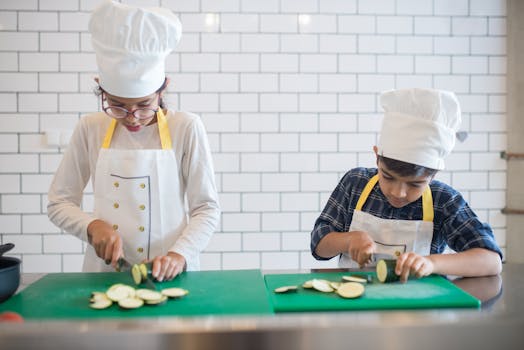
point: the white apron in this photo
(138, 192)
(392, 237)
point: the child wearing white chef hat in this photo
(398, 210)
(155, 197)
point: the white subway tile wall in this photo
(288, 91)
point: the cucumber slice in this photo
(120, 291)
(322, 286)
(354, 279)
(285, 289)
(174, 292)
(130, 303)
(386, 270)
(350, 290)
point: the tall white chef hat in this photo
(419, 126)
(131, 45)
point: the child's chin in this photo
(397, 204)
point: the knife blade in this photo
(122, 265)
(150, 284)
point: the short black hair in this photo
(406, 169)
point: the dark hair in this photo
(99, 91)
(406, 169)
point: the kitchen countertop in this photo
(499, 323)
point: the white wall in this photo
(288, 91)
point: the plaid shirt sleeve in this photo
(338, 212)
(456, 225)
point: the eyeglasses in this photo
(121, 112)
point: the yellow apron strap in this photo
(163, 129)
(109, 134)
(427, 199)
(365, 193)
(427, 205)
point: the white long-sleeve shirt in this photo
(195, 166)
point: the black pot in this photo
(9, 276)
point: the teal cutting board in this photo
(66, 295)
(425, 293)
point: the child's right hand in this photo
(106, 241)
(361, 247)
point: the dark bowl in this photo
(9, 276)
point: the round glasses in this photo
(139, 113)
(120, 112)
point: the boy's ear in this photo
(375, 149)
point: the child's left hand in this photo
(413, 264)
(166, 267)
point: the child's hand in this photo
(166, 267)
(413, 264)
(106, 241)
(361, 247)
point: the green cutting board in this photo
(425, 293)
(66, 295)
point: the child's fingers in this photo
(417, 268)
(404, 264)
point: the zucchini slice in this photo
(308, 284)
(174, 292)
(355, 279)
(144, 271)
(386, 270)
(120, 291)
(350, 290)
(156, 302)
(285, 289)
(322, 286)
(130, 303)
(335, 285)
(148, 295)
(99, 301)
(136, 274)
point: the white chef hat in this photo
(419, 126)
(131, 45)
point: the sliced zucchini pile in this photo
(351, 287)
(128, 297)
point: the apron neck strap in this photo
(163, 130)
(427, 199)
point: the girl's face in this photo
(401, 190)
(140, 106)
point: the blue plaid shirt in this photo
(454, 224)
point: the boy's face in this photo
(401, 190)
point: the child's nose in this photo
(399, 190)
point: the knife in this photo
(122, 265)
